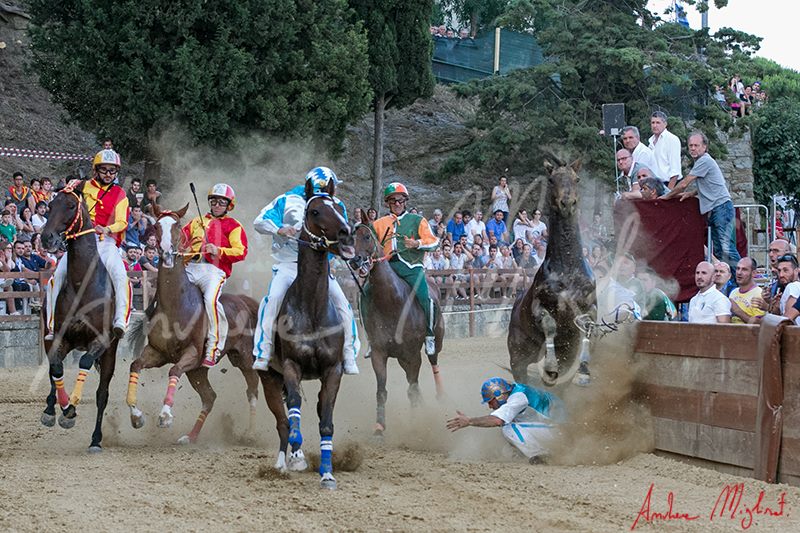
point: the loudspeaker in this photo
(613, 118)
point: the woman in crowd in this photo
(27, 231)
(501, 195)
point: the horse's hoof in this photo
(48, 420)
(66, 423)
(327, 482)
(137, 422)
(183, 441)
(95, 449)
(582, 380)
(165, 420)
(297, 461)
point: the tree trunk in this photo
(377, 152)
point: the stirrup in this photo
(261, 363)
(49, 336)
(210, 361)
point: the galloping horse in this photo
(310, 337)
(562, 287)
(84, 311)
(389, 297)
(178, 333)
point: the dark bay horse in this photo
(84, 312)
(561, 287)
(395, 324)
(309, 335)
(177, 333)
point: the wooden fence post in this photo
(471, 304)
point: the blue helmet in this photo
(319, 178)
(494, 388)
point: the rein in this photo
(177, 219)
(77, 220)
(317, 242)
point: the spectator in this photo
(6, 264)
(438, 228)
(372, 215)
(152, 241)
(152, 196)
(627, 171)
(480, 241)
(455, 228)
(497, 227)
(501, 195)
(31, 261)
(708, 306)
(521, 226)
(504, 259)
(38, 250)
(137, 226)
(477, 258)
(19, 193)
(743, 306)
(642, 156)
(650, 188)
(777, 248)
(518, 249)
(599, 257)
(538, 231)
(436, 260)
(108, 144)
(722, 278)
(491, 255)
(475, 227)
(666, 149)
(37, 194)
(657, 305)
(457, 261)
(149, 260)
(541, 253)
(39, 219)
(747, 101)
(47, 190)
(626, 276)
(26, 231)
(20, 284)
(599, 231)
(131, 259)
(463, 34)
(715, 200)
(527, 259)
(787, 279)
(135, 194)
(636, 188)
(8, 229)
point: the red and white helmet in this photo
(223, 190)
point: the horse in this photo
(84, 312)
(389, 296)
(562, 287)
(177, 333)
(309, 335)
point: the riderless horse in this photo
(310, 337)
(84, 311)
(177, 332)
(562, 287)
(396, 322)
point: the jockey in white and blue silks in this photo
(283, 219)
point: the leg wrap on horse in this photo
(61, 393)
(198, 425)
(326, 455)
(133, 383)
(295, 437)
(415, 277)
(77, 393)
(169, 399)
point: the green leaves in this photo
(776, 148)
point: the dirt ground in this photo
(420, 478)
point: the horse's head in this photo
(168, 233)
(325, 224)
(67, 217)
(562, 186)
(366, 246)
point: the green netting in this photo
(460, 60)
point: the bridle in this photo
(77, 220)
(176, 253)
(315, 242)
(365, 267)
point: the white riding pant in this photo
(531, 439)
(283, 274)
(112, 261)
(210, 279)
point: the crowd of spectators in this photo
(443, 32)
(738, 98)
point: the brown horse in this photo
(177, 333)
(388, 298)
(309, 334)
(562, 287)
(84, 312)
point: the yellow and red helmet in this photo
(394, 188)
(223, 190)
(107, 157)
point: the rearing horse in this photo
(562, 287)
(177, 333)
(395, 324)
(84, 312)
(310, 335)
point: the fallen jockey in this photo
(217, 241)
(405, 238)
(107, 204)
(283, 219)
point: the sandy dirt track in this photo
(421, 478)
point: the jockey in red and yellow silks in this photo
(108, 209)
(218, 241)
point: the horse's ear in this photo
(309, 190)
(548, 166)
(575, 165)
(157, 210)
(330, 188)
(180, 212)
(364, 217)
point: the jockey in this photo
(527, 415)
(407, 237)
(108, 208)
(283, 219)
(217, 242)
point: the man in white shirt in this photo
(666, 149)
(789, 287)
(642, 155)
(708, 306)
(475, 226)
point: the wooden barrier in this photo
(726, 396)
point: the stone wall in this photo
(20, 342)
(488, 322)
(738, 167)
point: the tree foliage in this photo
(776, 148)
(129, 68)
(612, 51)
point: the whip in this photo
(199, 213)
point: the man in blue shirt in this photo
(455, 228)
(497, 227)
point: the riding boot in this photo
(262, 360)
(351, 342)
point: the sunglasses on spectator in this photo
(213, 202)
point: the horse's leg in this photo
(55, 355)
(198, 377)
(291, 378)
(411, 363)
(251, 378)
(525, 345)
(379, 359)
(434, 359)
(327, 400)
(188, 361)
(107, 361)
(272, 382)
(150, 358)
